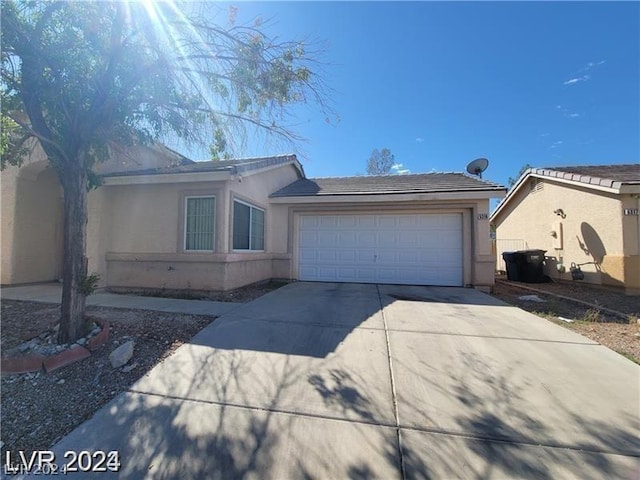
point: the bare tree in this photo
(380, 162)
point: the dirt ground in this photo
(619, 334)
(38, 409)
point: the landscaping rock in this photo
(128, 368)
(531, 298)
(121, 355)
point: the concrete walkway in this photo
(320, 380)
(52, 293)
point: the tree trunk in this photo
(74, 268)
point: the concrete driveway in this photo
(321, 380)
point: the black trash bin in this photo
(511, 261)
(530, 266)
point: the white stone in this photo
(121, 355)
(531, 298)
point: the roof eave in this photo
(559, 177)
(392, 197)
(157, 178)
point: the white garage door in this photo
(420, 249)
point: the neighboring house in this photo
(582, 216)
(222, 225)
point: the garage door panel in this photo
(410, 256)
(366, 255)
(328, 221)
(366, 239)
(348, 239)
(409, 221)
(348, 256)
(327, 256)
(348, 221)
(308, 256)
(309, 221)
(384, 248)
(387, 239)
(387, 221)
(409, 238)
(366, 221)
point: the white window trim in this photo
(184, 227)
(250, 222)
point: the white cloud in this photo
(574, 80)
(590, 65)
(419, 139)
(399, 169)
(543, 135)
(556, 144)
(566, 112)
(583, 78)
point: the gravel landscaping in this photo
(38, 409)
(619, 333)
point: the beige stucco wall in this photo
(595, 232)
(31, 212)
(31, 224)
(256, 189)
(147, 234)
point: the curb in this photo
(100, 339)
(62, 359)
(37, 362)
(32, 363)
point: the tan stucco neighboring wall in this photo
(98, 233)
(8, 181)
(31, 224)
(594, 232)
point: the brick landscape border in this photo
(37, 362)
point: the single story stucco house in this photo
(583, 216)
(179, 224)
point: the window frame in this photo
(233, 219)
(184, 226)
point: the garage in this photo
(403, 249)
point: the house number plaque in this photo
(632, 211)
(483, 216)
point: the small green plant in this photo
(89, 284)
(592, 315)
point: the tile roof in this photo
(612, 177)
(628, 174)
(236, 166)
(384, 184)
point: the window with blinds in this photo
(199, 223)
(248, 227)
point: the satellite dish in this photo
(478, 166)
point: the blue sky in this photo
(442, 83)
